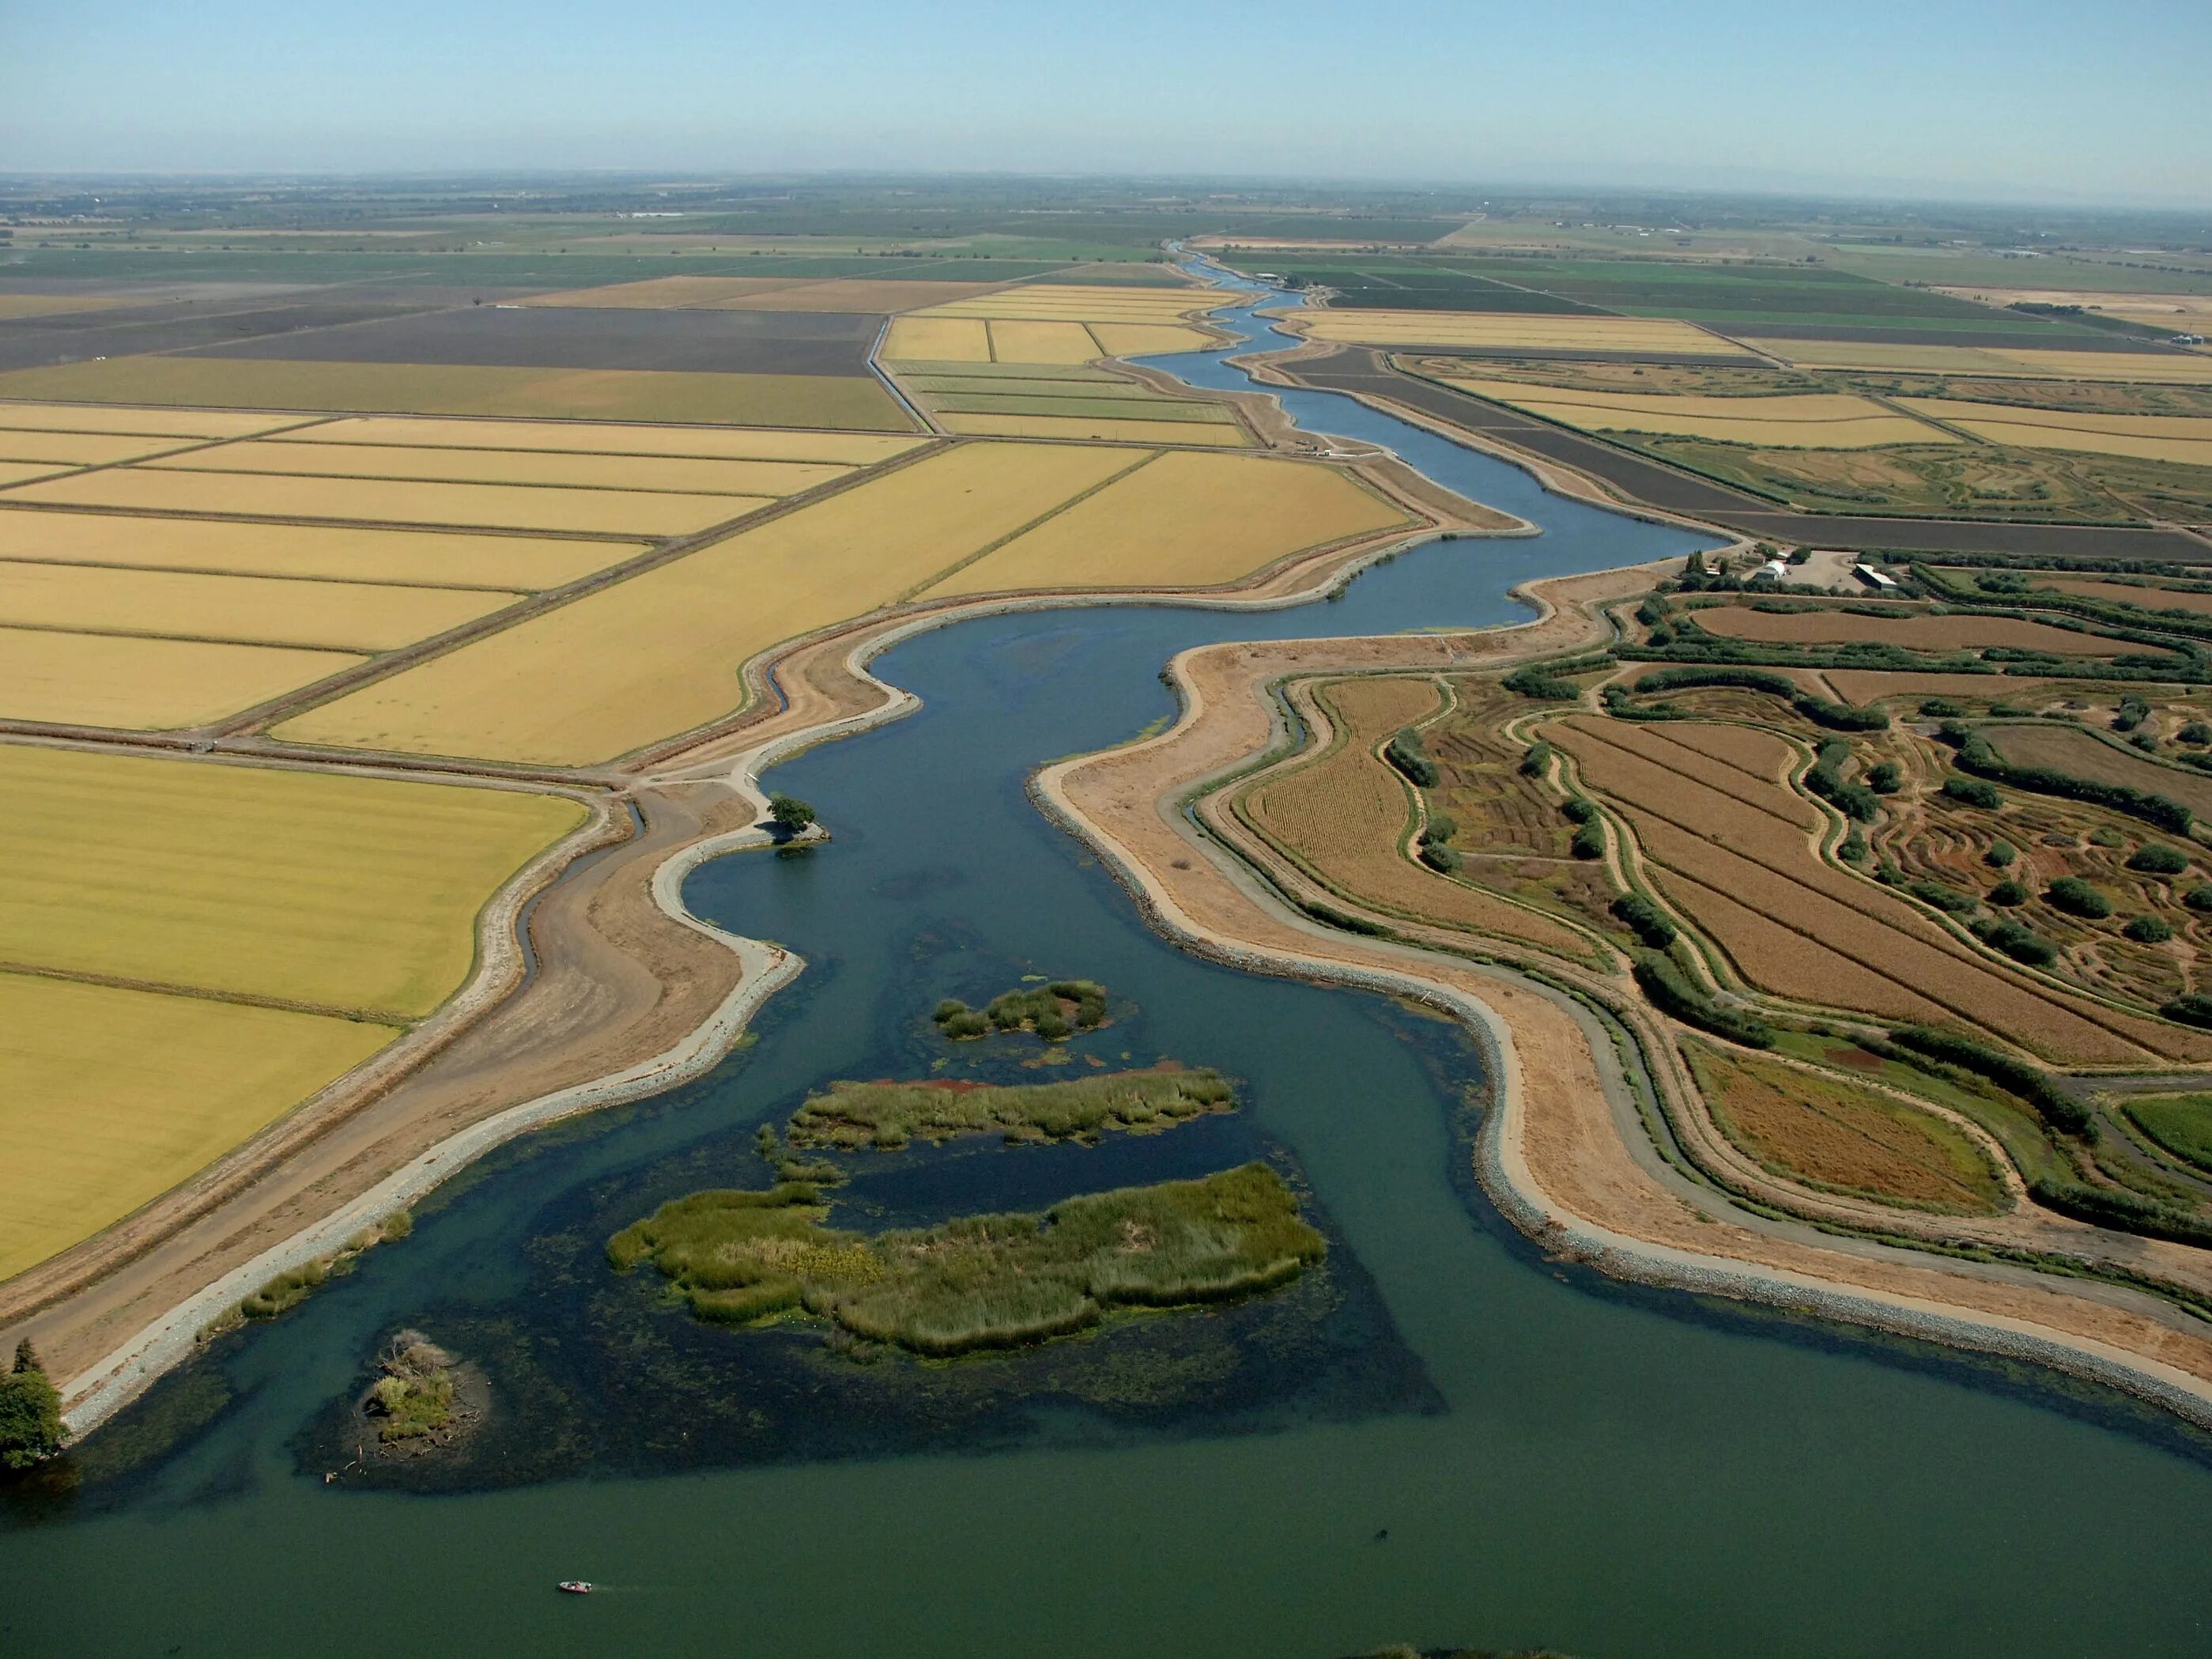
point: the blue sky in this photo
(2031, 98)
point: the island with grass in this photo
(1055, 1011)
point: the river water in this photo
(1462, 1443)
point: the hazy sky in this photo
(2028, 99)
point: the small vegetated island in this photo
(982, 1281)
(1054, 1012)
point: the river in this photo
(1507, 1452)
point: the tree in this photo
(791, 814)
(30, 1413)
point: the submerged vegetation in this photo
(977, 1281)
(1054, 1012)
(887, 1115)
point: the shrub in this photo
(2196, 733)
(1972, 792)
(2189, 1009)
(2111, 1206)
(1825, 778)
(1580, 809)
(2020, 943)
(1645, 920)
(30, 1413)
(1588, 842)
(1663, 982)
(2077, 898)
(2103, 837)
(2008, 894)
(1853, 846)
(1441, 827)
(1941, 709)
(2156, 858)
(2058, 1108)
(1534, 762)
(1943, 898)
(1887, 778)
(2000, 855)
(2148, 930)
(2198, 899)
(1439, 858)
(1405, 752)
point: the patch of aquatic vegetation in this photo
(977, 1281)
(414, 1396)
(887, 1115)
(1055, 1011)
(289, 1289)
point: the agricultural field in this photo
(1949, 479)
(444, 559)
(1181, 519)
(18, 418)
(1046, 323)
(2149, 367)
(1534, 336)
(1736, 853)
(13, 306)
(1708, 380)
(2069, 749)
(2144, 595)
(663, 649)
(656, 474)
(794, 293)
(174, 983)
(847, 449)
(1838, 1136)
(129, 683)
(1914, 630)
(1078, 303)
(1344, 816)
(836, 401)
(1101, 428)
(2180, 1125)
(1071, 401)
(2183, 439)
(1819, 420)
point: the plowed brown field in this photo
(1916, 632)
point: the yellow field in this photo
(81, 448)
(938, 340)
(516, 563)
(1183, 520)
(507, 507)
(320, 887)
(657, 473)
(1515, 330)
(1079, 302)
(257, 610)
(109, 1097)
(12, 472)
(151, 423)
(2183, 437)
(1805, 420)
(1042, 342)
(52, 305)
(851, 293)
(1147, 339)
(2146, 368)
(143, 685)
(601, 394)
(664, 292)
(1216, 434)
(584, 437)
(661, 653)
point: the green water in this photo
(1611, 1472)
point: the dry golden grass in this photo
(516, 563)
(1214, 434)
(1078, 302)
(504, 506)
(1147, 339)
(1760, 755)
(2079, 754)
(938, 340)
(1535, 333)
(1024, 342)
(52, 305)
(80, 449)
(661, 653)
(1344, 816)
(853, 402)
(318, 888)
(1806, 420)
(1183, 520)
(585, 437)
(257, 610)
(1800, 928)
(109, 1097)
(657, 473)
(2148, 599)
(136, 684)
(2157, 368)
(1917, 632)
(151, 423)
(2183, 437)
(1827, 1132)
(665, 293)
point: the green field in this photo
(2182, 1124)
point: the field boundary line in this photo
(1021, 530)
(397, 1021)
(7, 559)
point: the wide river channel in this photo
(1441, 1439)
